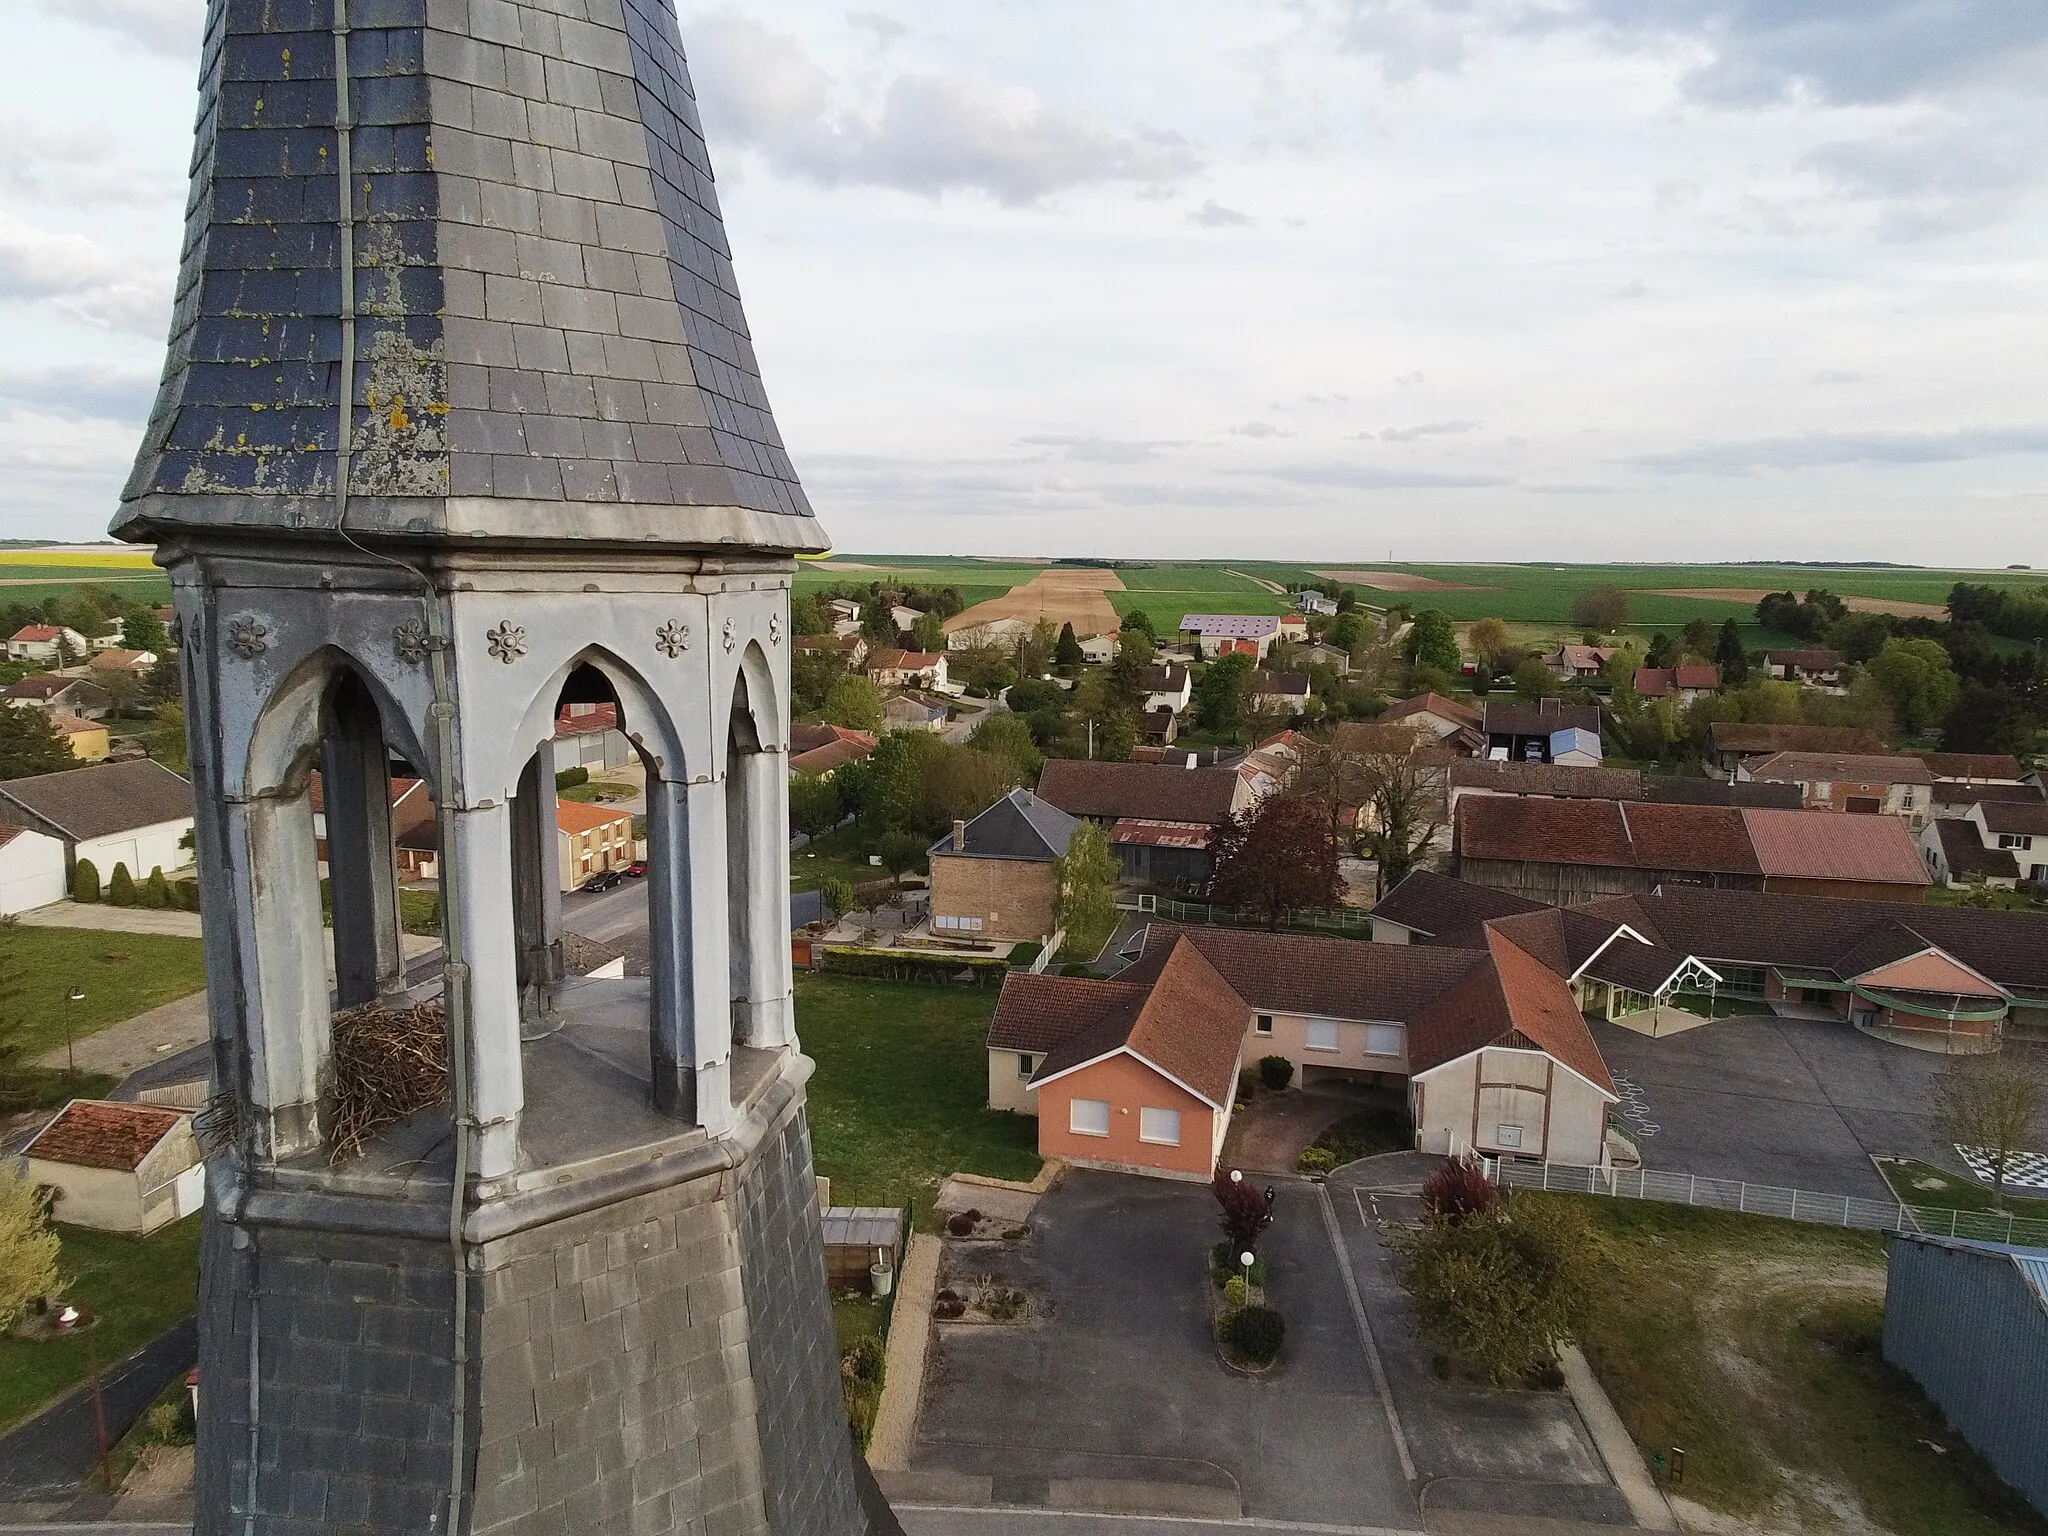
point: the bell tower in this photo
(461, 426)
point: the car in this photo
(604, 880)
(637, 868)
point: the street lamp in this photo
(76, 995)
(1246, 1259)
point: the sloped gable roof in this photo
(1145, 791)
(1018, 826)
(93, 1133)
(1437, 905)
(1827, 845)
(1037, 1013)
(84, 803)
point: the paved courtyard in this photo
(1797, 1103)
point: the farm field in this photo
(30, 575)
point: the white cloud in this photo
(1817, 449)
(1420, 430)
(1374, 477)
(1260, 429)
(78, 392)
(75, 276)
(1213, 215)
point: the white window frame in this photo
(1074, 1124)
(1316, 1029)
(1383, 1033)
(1262, 1025)
(1146, 1122)
(1027, 1063)
(2016, 842)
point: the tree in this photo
(167, 738)
(122, 688)
(29, 744)
(1729, 655)
(1661, 652)
(1139, 620)
(1084, 892)
(901, 852)
(1243, 1214)
(1005, 735)
(1348, 631)
(166, 681)
(1034, 650)
(1861, 636)
(85, 881)
(811, 676)
(1987, 719)
(28, 1248)
(1066, 650)
(1490, 641)
(835, 895)
(1533, 680)
(930, 632)
(1697, 639)
(121, 888)
(156, 891)
(813, 804)
(1403, 814)
(855, 703)
(1915, 678)
(1433, 642)
(1502, 1287)
(1223, 693)
(808, 616)
(1989, 1104)
(1601, 608)
(1276, 857)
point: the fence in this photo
(1352, 922)
(1767, 1200)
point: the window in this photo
(2018, 841)
(956, 924)
(1322, 1034)
(1264, 1025)
(1161, 1127)
(1089, 1117)
(1026, 1063)
(1382, 1039)
(1507, 1136)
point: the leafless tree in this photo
(1989, 1104)
(1400, 790)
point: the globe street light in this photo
(76, 995)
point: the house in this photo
(1280, 693)
(824, 749)
(54, 691)
(1267, 767)
(1567, 851)
(905, 619)
(845, 614)
(1140, 1073)
(1689, 682)
(1580, 663)
(32, 872)
(1224, 634)
(913, 712)
(1975, 768)
(1309, 600)
(112, 636)
(87, 739)
(114, 659)
(118, 1167)
(889, 667)
(590, 839)
(1004, 634)
(47, 643)
(1968, 1321)
(1317, 654)
(1159, 816)
(1293, 629)
(1868, 783)
(1956, 855)
(2016, 828)
(1161, 726)
(1536, 732)
(992, 877)
(588, 736)
(1817, 666)
(1166, 686)
(1098, 650)
(1733, 740)
(1459, 725)
(412, 807)
(136, 813)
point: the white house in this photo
(1003, 633)
(1098, 650)
(136, 813)
(1166, 687)
(119, 1167)
(1309, 600)
(2019, 828)
(31, 870)
(40, 642)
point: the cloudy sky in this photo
(1350, 279)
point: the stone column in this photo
(757, 831)
(362, 867)
(479, 856)
(537, 888)
(288, 1028)
(689, 941)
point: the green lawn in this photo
(1924, 1184)
(598, 789)
(121, 974)
(136, 1286)
(1998, 900)
(836, 853)
(1753, 1344)
(900, 1099)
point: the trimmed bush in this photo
(1256, 1333)
(156, 891)
(1233, 1291)
(569, 778)
(121, 889)
(1276, 1072)
(1316, 1160)
(899, 965)
(85, 881)
(185, 894)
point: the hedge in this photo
(121, 888)
(569, 778)
(906, 965)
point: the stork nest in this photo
(388, 1062)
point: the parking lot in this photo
(1796, 1103)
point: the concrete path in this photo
(98, 915)
(910, 1332)
(1624, 1461)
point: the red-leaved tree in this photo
(1276, 857)
(1244, 1211)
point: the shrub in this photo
(1504, 1287)
(156, 891)
(1234, 1291)
(864, 1359)
(960, 1223)
(1247, 1083)
(1455, 1191)
(121, 889)
(1244, 1211)
(1256, 1333)
(85, 881)
(1223, 1263)
(1021, 955)
(28, 1248)
(185, 893)
(1276, 1072)
(1316, 1160)
(949, 1309)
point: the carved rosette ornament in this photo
(507, 642)
(672, 638)
(248, 636)
(729, 637)
(775, 629)
(409, 640)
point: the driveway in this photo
(1796, 1103)
(1268, 1135)
(1120, 1380)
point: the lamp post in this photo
(76, 995)
(1246, 1259)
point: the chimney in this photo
(959, 835)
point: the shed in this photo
(855, 1235)
(1968, 1321)
(119, 1167)
(136, 813)
(31, 869)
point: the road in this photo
(48, 1455)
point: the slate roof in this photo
(1669, 789)
(1966, 795)
(1974, 765)
(2018, 817)
(92, 1133)
(45, 686)
(80, 804)
(1018, 826)
(1812, 659)
(1966, 854)
(1142, 791)
(1436, 905)
(1540, 718)
(1162, 677)
(1838, 767)
(1752, 739)
(1284, 684)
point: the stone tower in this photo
(461, 423)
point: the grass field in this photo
(900, 1098)
(121, 974)
(1753, 1344)
(95, 560)
(1924, 1184)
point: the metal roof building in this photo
(1969, 1322)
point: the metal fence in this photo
(1767, 1200)
(1353, 922)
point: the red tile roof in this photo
(1036, 1013)
(599, 717)
(1142, 791)
(1838, 767)
(92, 1133)
(576, 816)
(1434, 704)
(36, 633)
(1540, 1009)
(1827, 845)
(1975, 765)
(1656, 682)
